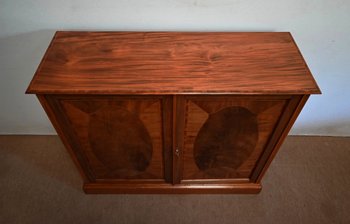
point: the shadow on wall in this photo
(19, 57)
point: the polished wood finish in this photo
(119, 137)
(82, 167)
(172, 112)
(287, 120)
(173, 63)
(225, 135)
(242, 188)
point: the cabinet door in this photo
(117, 138)
(220, 138)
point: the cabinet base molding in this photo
(112, 188)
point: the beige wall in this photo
(321, 28)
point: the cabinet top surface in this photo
(173, 63)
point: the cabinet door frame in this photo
(56, 114)
(291, 109)
(173, 115)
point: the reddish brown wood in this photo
(172, 112)
(225, 140)
(110, 188)
(230, 149)
(287, 120)
(178, 126)
(167, 107)
(118, 137)
(51, 113)
(173, 63)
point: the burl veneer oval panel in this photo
(120, 140)
(225, 141)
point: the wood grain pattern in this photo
(172, 112)
(240, 151)
(118, 137)
(112, 188)
(225, 140)
(65, 138)
(120, 140)
(285, 123)
(173, 63)
(178, 127)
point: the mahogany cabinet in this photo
(172, 112)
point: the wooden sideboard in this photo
(172, 112)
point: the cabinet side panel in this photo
(285, 123)
(52, 113)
